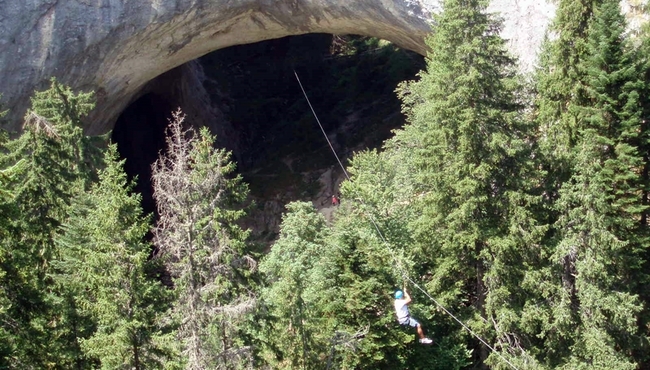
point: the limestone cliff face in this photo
(115, 47)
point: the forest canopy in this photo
(514, 210)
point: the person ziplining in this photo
(402, 300)
(401, 305)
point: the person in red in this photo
(335, 200)
(402, 299)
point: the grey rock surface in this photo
(115, 47)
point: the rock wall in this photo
(115, 47)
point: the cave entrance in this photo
(249, 97)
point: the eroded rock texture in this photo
(115, 47)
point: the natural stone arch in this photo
(115, 47)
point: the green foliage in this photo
(532, 230)
(51, 161)
(297, 330)
(105, 267)
(601, 238)
(56, 156)
(559, 77)
(7, 212)
(374, 267)
(203, 247)
(328, 301)
(614, 120)
(644, 70)
(470, 153)
(597, 296)
(560, 87)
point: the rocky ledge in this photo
(115, 47)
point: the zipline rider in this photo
(402, 299)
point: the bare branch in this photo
(40, 124)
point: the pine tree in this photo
(7, 212)
(288, 269)
(600, 207)
(560, 80)
(644, 149)
(203, 247)
(105, 264)
(358, 269)
(58, 158)
(614, 118)
(333, 288)
(472, 163)
(559, 83)
(56, 162)
(601, 303)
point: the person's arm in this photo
(407, 297)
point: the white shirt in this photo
(401, 309)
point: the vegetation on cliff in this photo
(520, 207)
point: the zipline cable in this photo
(381, 235)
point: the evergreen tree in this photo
(614, 118)
(605, 309)
(57, 157)
(105, 265)
(644, 149)
(561, 92)
(288, 269)
(473, 164)
(56, 162)
(360, 268)
(559, 84)
(614, 114)
(203, 247)
(7, 212)
(601, 208)
(329, 293)
(560, 80)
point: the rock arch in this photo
(115, 47)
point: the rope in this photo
(392, 252)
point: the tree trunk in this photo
(481, 292)
(136, 357)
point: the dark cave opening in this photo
(350, 81)
(140, 135)
(276, 142)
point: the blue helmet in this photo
(399, 294)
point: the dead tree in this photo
(201, 245)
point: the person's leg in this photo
(420, 331)
(415, 324)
